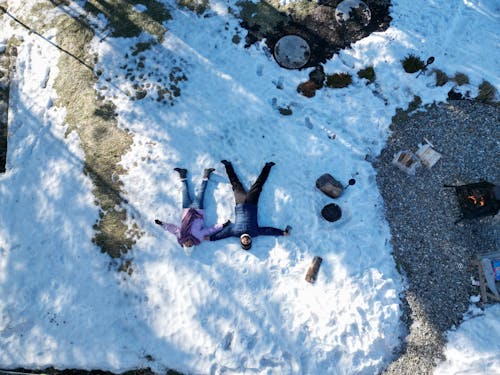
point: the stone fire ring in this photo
(292, 52)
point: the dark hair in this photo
(243, 246)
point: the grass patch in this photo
(461, 79)
(299, 9)
(412, 63)
(141, 47)
(261, 16)
(367, 73)
(487, 92)
(402, 115)
(6, 57)
(338, 80)
(125, 21)
(197, 6)
(415, 103)
(101, 140)
(441, 77)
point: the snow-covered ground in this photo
(218, 308)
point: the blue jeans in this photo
(187, 202)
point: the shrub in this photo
(308, 88)
(338, 80)
(412, 64)
(415, 103)
(441, 77)
(486, 93)
(461, 79)
(367, 73)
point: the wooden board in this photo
(486, 294)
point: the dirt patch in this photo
(94, 118)
(125, 20)
(313, 21)
(101, 139)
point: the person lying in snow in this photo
(246, 225)
(192, 230)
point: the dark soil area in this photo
(313, 21)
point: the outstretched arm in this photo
(270, 231)
(172, 228)
(224, 233)
(211, 230)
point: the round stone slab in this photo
(292, 52)
(331, 212)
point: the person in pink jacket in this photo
(192, 230)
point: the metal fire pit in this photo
(477, 199)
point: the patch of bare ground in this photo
(102, 140)
(94, 119)
(313, 21)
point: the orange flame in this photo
(477, 201)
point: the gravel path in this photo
(435, 254)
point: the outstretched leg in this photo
(254, 192)
(199, 201)
(186, 198)
(238, 189)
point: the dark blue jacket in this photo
(245, 222)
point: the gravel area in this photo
(434, 253)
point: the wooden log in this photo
(312, 272)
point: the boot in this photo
(182, 172)
(225, 162)
(207, 172)
(270, 164)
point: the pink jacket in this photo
(198, 228)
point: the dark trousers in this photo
(240, 194)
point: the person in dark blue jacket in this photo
(246, 225)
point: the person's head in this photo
(188, 243)
(246, 241)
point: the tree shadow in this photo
(54, 283)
